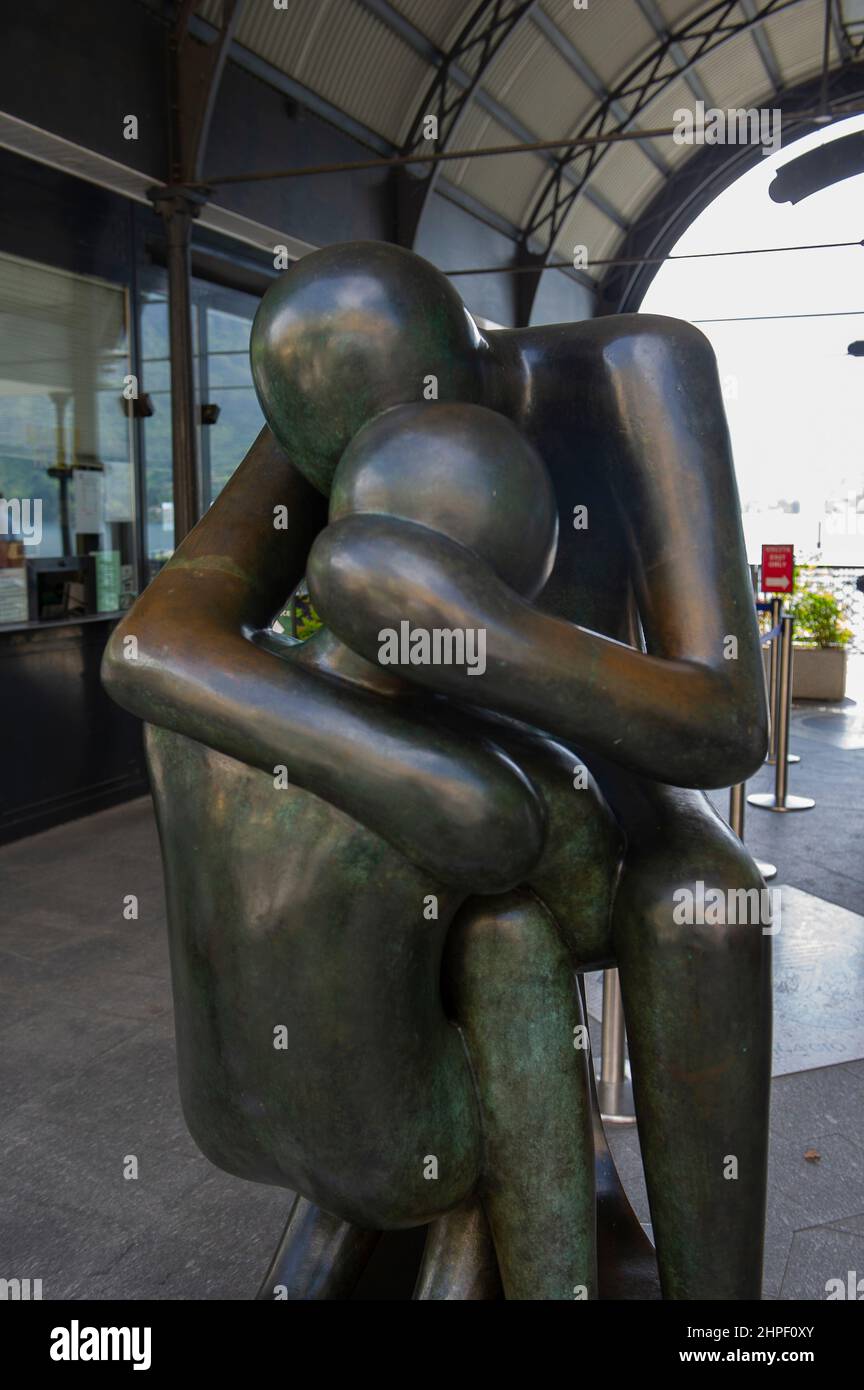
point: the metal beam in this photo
(763, 47)
(274, 77)
(583, 69)
(487, 30)
(195, 74)
(429, 51)
(697, 182)
(848, 16)
(469, 203)
(705, 32)
(408, 32)
(655, 19)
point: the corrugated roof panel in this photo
(341, 52)
(676, 11)
(796, 37)
(672, 153)
(669, 65)
(472, 133)
(351, 58)
(422, 96)
(511, 62)
(626, 178)
(440, 20)
(539, 87)
(587, 226)
(735, 74)
(608, 37)
(659, 113)
(504, 182)
(360, 65)
(282, 37)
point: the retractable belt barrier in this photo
(780, 696)
(779, 712)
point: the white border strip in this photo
(47, 148)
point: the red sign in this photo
(778, 562)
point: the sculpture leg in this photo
(459, 1261)
(514, 996)
(698, 1009)
(319, 1257)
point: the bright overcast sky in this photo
(798, 421)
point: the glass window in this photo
(156, 443)
(226, 406)
(67, 496)
(227, 382)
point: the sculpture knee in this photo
(713, 905)
(506, 946)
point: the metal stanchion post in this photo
(774, 685)
(776, 612)
(779, 799)
(614, 1089)
(736, 820)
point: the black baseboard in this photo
(84, 801)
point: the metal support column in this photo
(779, 799)
(737, 802)
(195, 71)
(614, 1089)
(178, 211)
(773, 685)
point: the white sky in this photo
(798, 421)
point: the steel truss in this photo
(480, 40)
(448, 97)
(849, 27)
(647, 79)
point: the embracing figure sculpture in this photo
(385, 863)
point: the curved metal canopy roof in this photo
(498, 72)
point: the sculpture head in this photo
(348, 332)
(462, 470)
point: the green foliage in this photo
(298, 617)
(307, 623)
(819, 619)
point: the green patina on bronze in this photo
(398, 1065)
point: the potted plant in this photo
(821, 637)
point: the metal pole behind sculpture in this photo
(737, 804)
(614, 1089)
(773, 659)
(774, 682)
(780, 799)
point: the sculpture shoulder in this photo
(592, 336)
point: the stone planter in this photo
(818, 673)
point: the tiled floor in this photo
(88, 1083)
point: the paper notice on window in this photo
(13, 595)
(88, 502)
(107, 580)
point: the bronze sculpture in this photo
(382, 875)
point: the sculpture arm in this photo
(183, 659)
(691, 710)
